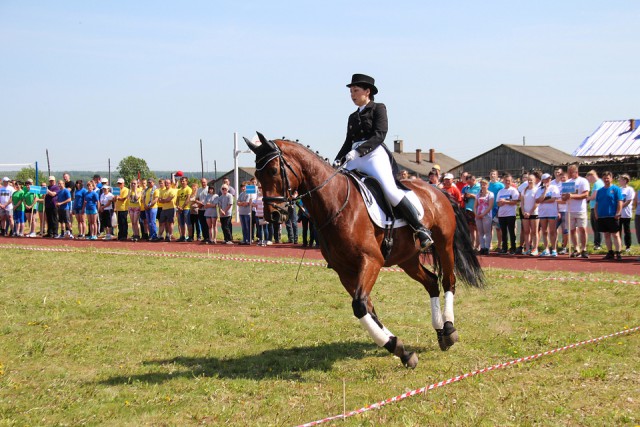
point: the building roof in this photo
(545, 154)
(612, 138)
(408, 161)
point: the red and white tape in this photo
(423, 390)
(292, 262)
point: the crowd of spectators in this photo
(144, 209)
(538, 214)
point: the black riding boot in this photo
(410, 214)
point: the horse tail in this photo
(467, 266)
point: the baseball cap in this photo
(120, 181)
(6, 178)
(448, 176)
(29, 181)
(52, 178)
(104, 180)
(436, 166)
(545, 176)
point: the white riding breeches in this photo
(377, 164)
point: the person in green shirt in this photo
(17, 198)
(30, 201)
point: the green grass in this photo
(134, 340)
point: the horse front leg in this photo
(383, 337)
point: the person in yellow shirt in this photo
(122, 210)
(150, 198)
(183, 208)
(167, 202)
(134, 203)
(144, 227)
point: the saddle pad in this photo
(378, 216)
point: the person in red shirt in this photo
(462, 182)
(447, 185)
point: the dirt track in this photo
(595, 264)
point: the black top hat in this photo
(365, 81)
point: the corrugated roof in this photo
(545, 154)
(612, 138)
(408, 161)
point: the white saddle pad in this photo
(378, 216)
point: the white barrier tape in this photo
(422, 390)
(306, 263)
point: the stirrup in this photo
(424, 236)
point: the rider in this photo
(365, 151)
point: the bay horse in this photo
(351, 243)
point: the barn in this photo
(419, 163)
(515, 159)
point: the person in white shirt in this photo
(628, 194)
(507, 199)
(562, 215)
(547, 197)
(577, 208)
(529, 209)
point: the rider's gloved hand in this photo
(350, 156)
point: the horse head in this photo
(278, 179)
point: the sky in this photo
(91, 81)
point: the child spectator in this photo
(64, 211)
(78, 207)
(90, 207)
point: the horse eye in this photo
(274, 171)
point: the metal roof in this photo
(612, 138)
(544, 153)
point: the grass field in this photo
(128, 339)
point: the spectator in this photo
(254, 221)
(30, 204)
(162, 192)
(508, 199)
(547, 197)
(225, 204)
(183, 209)
(469, 192)
(90, 208)
(194, 214)
(244, 211)
(168, 215)
(202, 219)
(438, 175)
(608, 208)
(403, 174)
(6, 207)
(17, 200)
(462, 181)
(134, 208)
(144, 227)
(637, 218)
(50, 208)
(262, 224)
(447, 185)
(483, 210)
(292, 222)
(105, 209)
(529, 208)
(63, 205)
(211, 213)
(150, 200)
(40, 204)
(596, 184)
(494, 186)
(524, 183)
(231, 190)
(78, 207)
(122, 210)
(625, 217)
(577, 211)
(562, 221)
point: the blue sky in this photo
(93, 80)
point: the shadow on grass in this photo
(286, 364)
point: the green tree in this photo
(29, 172)
(130, 167)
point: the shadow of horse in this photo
(283, 364)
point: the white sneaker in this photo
(269, 243)
(32, 234)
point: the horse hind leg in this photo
(363, 310)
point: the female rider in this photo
(365, 151)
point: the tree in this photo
(130, 167)
(29, 172)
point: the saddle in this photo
(380, 211)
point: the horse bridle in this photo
(287, 198)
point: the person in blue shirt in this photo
(91, 210)
(608, 209)
(64, 211)
(495, 185)
(596, 184)
(469, 194)
(78, 207)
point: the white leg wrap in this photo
(387, 332)
(448, 307)
(379, 336)
(436, 314)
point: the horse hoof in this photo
(410, 360)
(447, 341)
(450, 340)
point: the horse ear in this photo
(251, 145)
(262, 138)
